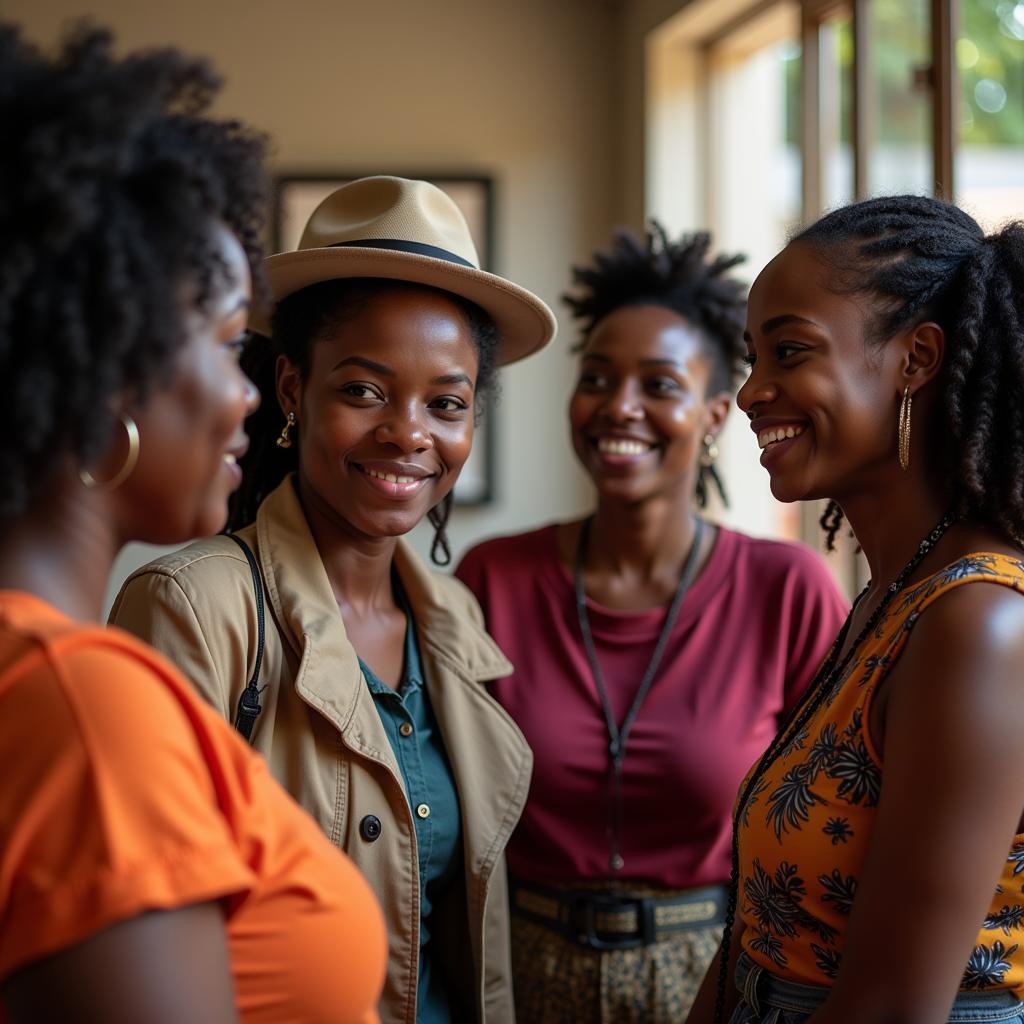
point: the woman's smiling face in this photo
(191, 429)
(822, 398)
(641, 406)
(385, 413)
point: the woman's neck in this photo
(62, 551)
(645, 540)
(358, 567)
(890, 522)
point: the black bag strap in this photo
(249, 703)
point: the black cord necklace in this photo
(814, 696)
(618, 735)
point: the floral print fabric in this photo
(805, 829)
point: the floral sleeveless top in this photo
(804, 833)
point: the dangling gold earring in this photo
(903, 430)
(284, 441)
(132, 430)
(710, 453)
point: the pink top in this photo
(750, 634)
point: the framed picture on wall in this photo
(296, 196)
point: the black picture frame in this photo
(295, 197)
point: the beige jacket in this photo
(324, 741)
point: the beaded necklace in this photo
(821, 686)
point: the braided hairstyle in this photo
(654, 270)
(921, 259)
(300, 320)
(112, 182)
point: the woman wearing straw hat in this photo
(372, 706)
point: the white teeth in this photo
(229, 458)
(621, 446)
(391, 478)
(772, 436)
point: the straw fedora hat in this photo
(409, 231)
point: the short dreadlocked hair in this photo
(113, 181)
(921, 259)
(654, 270)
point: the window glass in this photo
(836, 128)
(989, 160)
(754, 198)
(900, 100)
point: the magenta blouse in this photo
(750, 634)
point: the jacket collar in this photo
(303, 603)
(489, 758)
(465, 643)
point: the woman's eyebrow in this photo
(775, 322)
(366, 364)
(662, 361)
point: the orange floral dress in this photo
(805, 830)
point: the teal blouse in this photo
(408, 720)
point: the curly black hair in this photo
(922, 259)
(298, 322)
(654, 270)
(112, 181)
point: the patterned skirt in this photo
(559, 981)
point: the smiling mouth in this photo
(394, 485)
(622, 446)
(392, 478)
(776, 435)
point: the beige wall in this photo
(523, 91)
(637, 18)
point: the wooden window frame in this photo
(941, 76)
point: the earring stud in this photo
(710, 453)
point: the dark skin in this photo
(639, 414)
(957, 681)
(159, 968)
(389, 393)
(167, 966)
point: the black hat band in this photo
(402, 245)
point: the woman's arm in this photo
(951, 801)
(159, 968)
(703, 1009)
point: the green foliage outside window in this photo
(990, 56)
(990, 60)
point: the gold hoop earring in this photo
(284, 441)
(710, 453)
(132, 430)
(903, 430)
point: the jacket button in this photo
(423, 811)
(405, 729)
(370, 828)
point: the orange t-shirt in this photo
(806, 828)
(123, 793)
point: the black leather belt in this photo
(610, 920)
